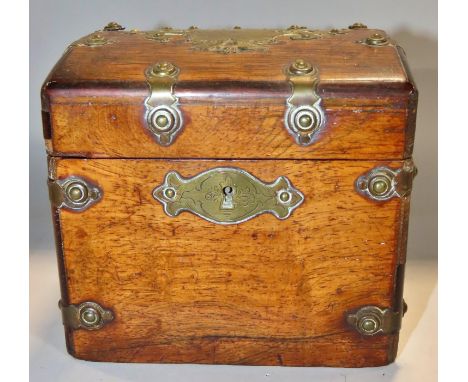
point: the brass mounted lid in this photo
(232, 55)
(240, 93)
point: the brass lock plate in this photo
(227, 195)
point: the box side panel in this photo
(266, 291)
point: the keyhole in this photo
(227, 203)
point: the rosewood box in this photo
(231, 196)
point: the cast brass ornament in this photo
(237, 40)
(87, 315)
(227, 195)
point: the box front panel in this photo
(264, 291)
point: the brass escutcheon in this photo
(227, 195)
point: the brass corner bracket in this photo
(74, 193)
(383, 183)
(87, 315)
(163, 116)
(304, 115)
(372, 320)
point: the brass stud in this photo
(113, 26)
(379, 185)
(285, 196)
(77, 192)
(376, 39)
(358, 26)
(164, 69)
(96, 40)
(161, 121)
(305, 121)
(90, 317)
(369, 324)
(169, 193)
(300, 66)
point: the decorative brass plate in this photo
(227, 195)
(238, 40)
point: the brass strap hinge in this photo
(383, 183)
(87, 315)
(304, 115)
(74, 193)
(163, 116)
(372, 320)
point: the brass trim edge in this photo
(227, 195)
(87, 315)
(74, 193)
(383, 183)
(304, 116)
(163, 116)
(372, 320)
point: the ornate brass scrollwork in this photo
(227, 195)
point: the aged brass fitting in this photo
(379, 185)
(383, 183)
(164, 69)
(169, 193)
(77, 192)
(74, 193)
(369, 324)
(113, 26)
(358, 26)
(372, 320)
(285, 196)
(96, 40)
(300, 67)
(88, 315)
(376, 39)
(163, 116)
(227, 195)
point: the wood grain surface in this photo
(265, 291)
